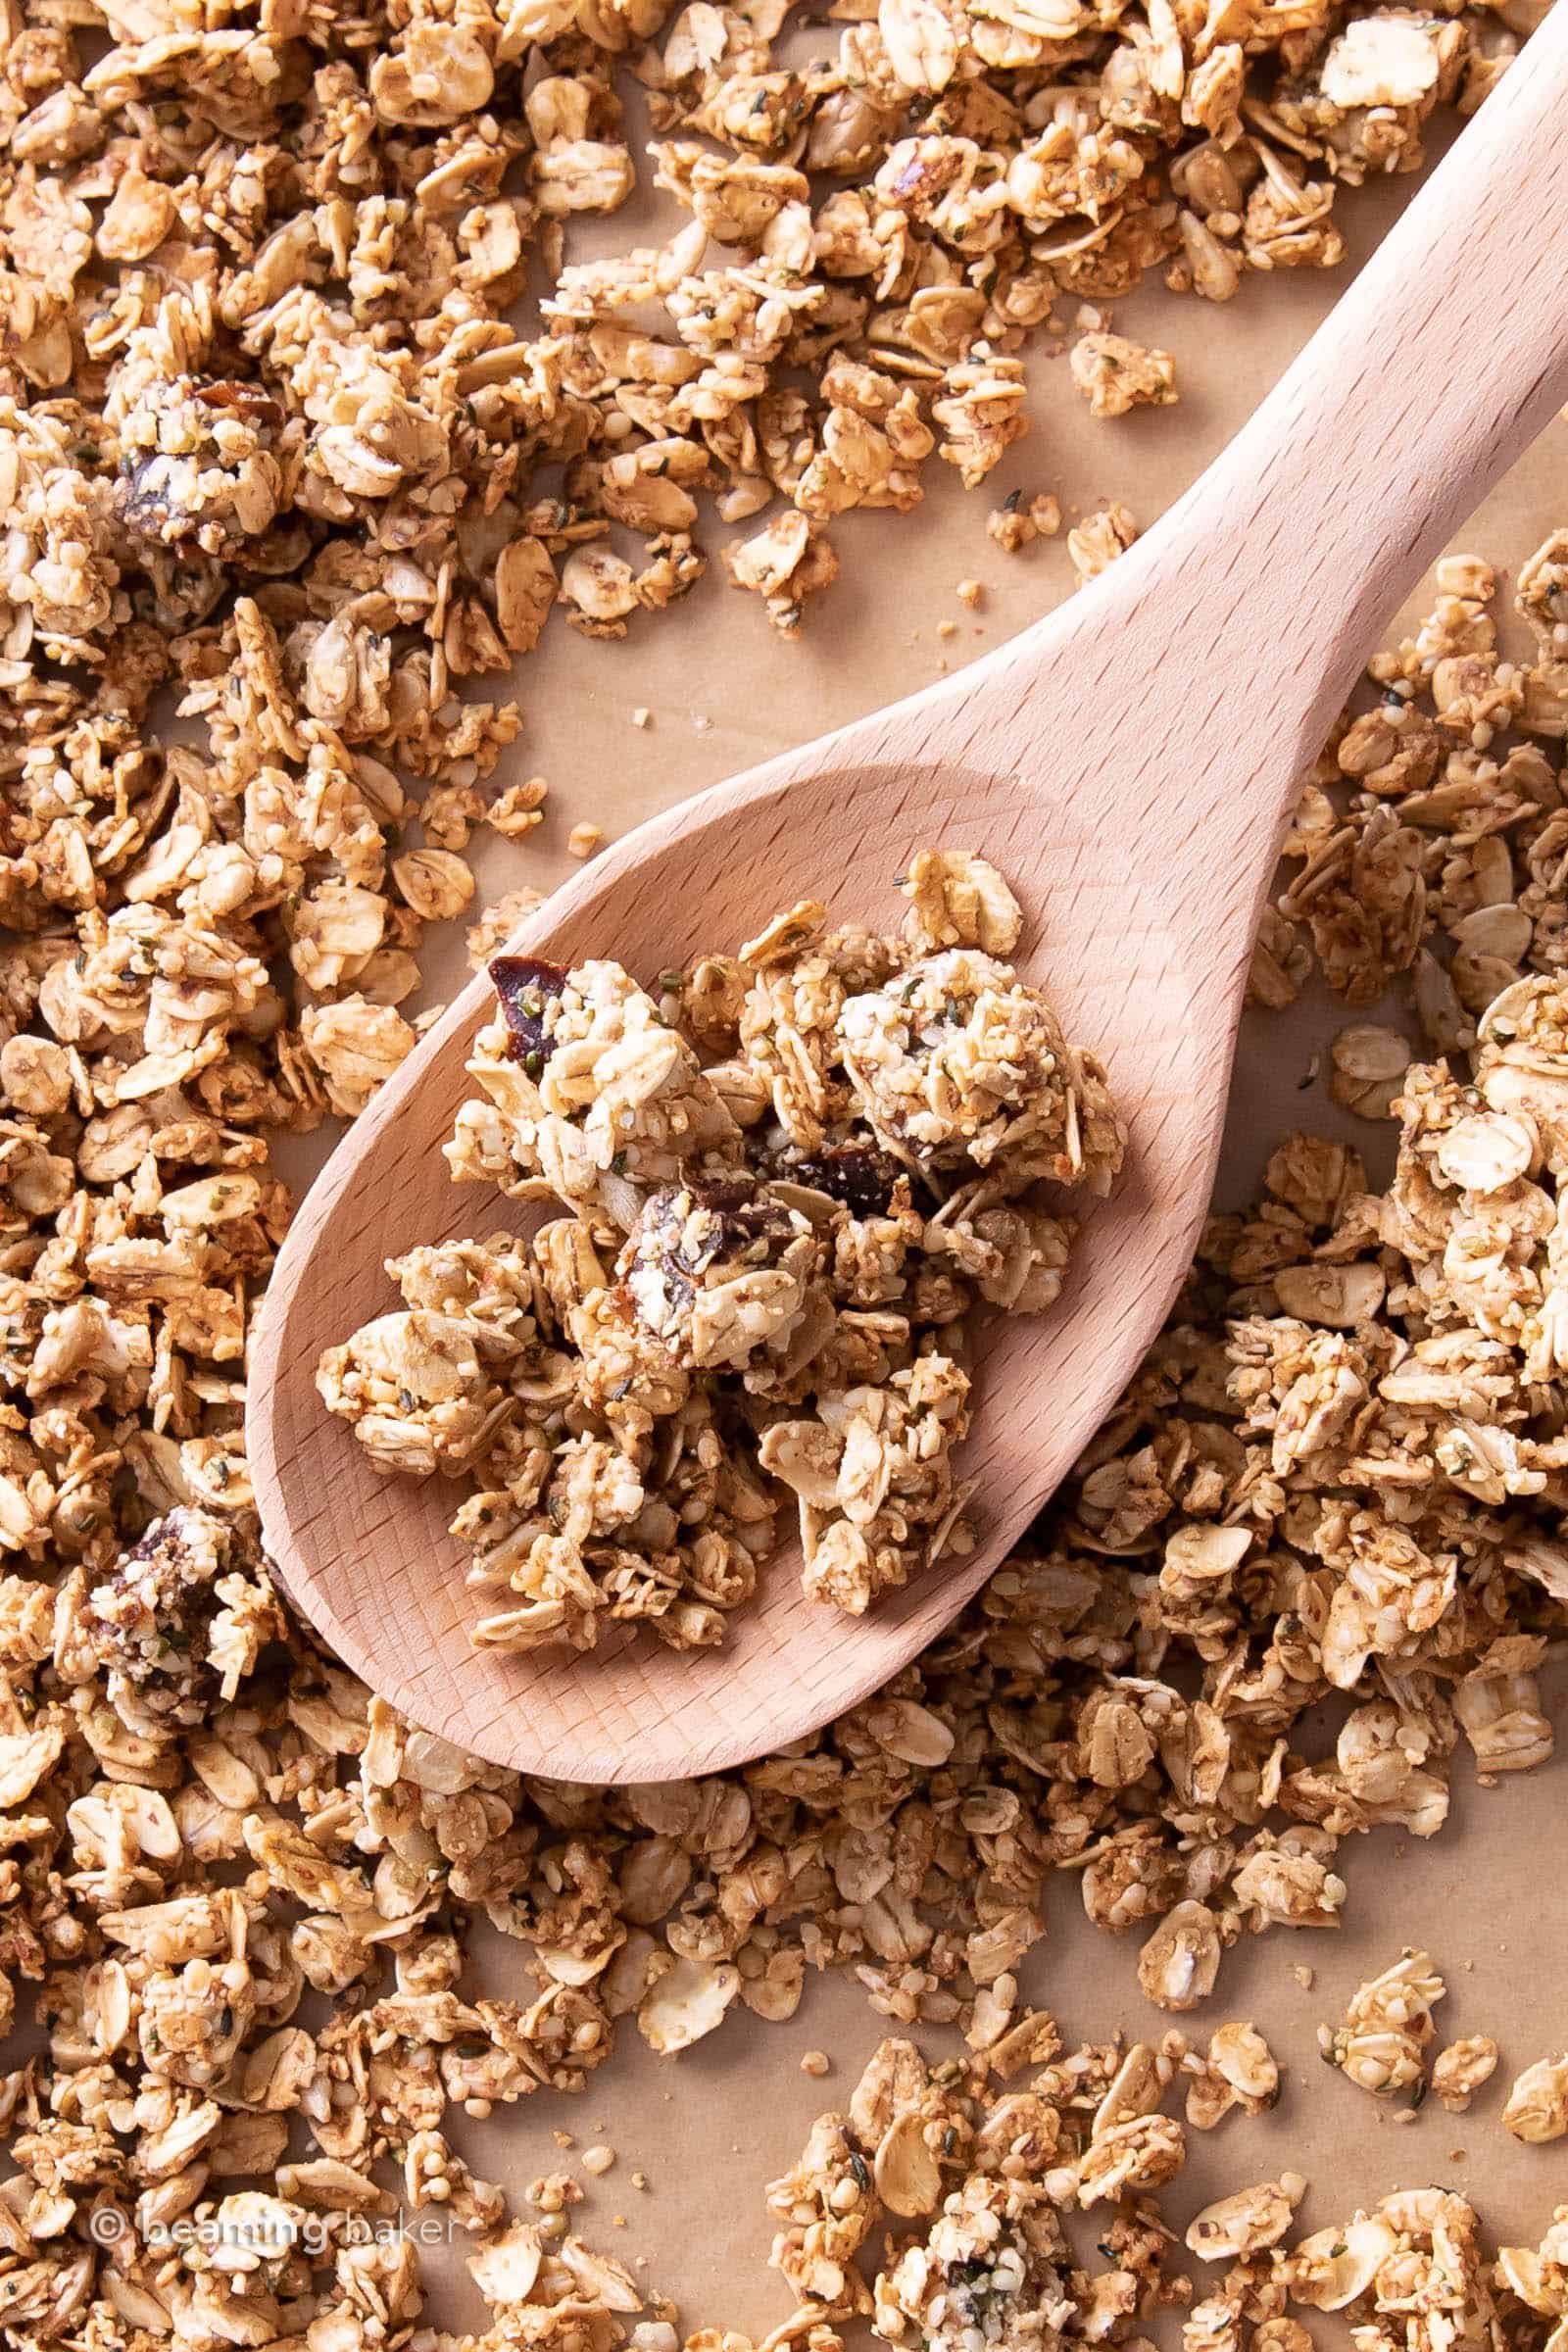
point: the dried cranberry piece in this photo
(265, 415)
(739, 1214)
(725, 1195)
(858, 1175)
(524, 985)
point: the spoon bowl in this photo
(376, 1551)
(1130, 763)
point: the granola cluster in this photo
(791, 1174)
(1427, 851)
(1382, 2045)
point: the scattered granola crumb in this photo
(518, 810)
(1459, 2071)
(1094, 544)
(1388, 2025)
(816, 2062)
(583, 840)
(597, 2160)
(554, 2192)
(642, 716)
(1239, 2071)
(1018, 523)
(1538, 2105)
(971, 593)
(1247, 2222)
(946, 629)
(1116, 376)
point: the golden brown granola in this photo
(790, 1175)
(975, 2182)
(1116, 376)
(1459, 2071)
(269, 444)
(1387, 2026)
(1538, 2105)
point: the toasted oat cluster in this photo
(792, 1173)
(1538, 2105)
(1387, 2026)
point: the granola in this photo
(1388, 2025)
(980, 2180)
(270, 448)
(766, 1274)
(1459, 2071)
(1116, 376)
(1538, 2105)
(1411, 2273)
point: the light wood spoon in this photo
(1130, 764)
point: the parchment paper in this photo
(1488, 1898)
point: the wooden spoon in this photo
(1130, 764)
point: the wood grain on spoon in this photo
(1130, 763)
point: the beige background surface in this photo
(1488, 1896)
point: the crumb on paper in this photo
(1116, 376)
(515, 812)
(1459, 2071)
(1019, 521)
(1537, 2109)
(1094, 544)
(1387, 2026)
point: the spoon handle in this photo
(1435, 371)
